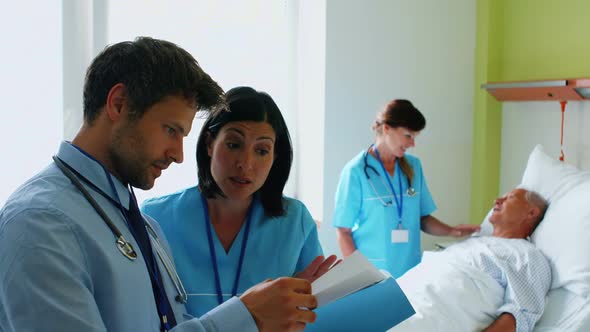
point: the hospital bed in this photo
(564, 238)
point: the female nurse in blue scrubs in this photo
(236, 229)
(382, 200)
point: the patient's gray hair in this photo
(537, 200)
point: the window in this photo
(31, 84)
(237, 42)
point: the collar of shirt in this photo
(93, 171)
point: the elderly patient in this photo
(491, 283)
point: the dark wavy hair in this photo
(151, 70)
(247, 104)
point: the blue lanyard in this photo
(212, 249)
(399, 204)
(153, 269)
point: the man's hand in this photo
(463, 230)
(504, 323)
(317, 268)
(280, 304)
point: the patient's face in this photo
(510, 209)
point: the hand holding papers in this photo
(355, 272)
(355, 296)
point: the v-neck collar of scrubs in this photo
(373, 161)
(215, 246)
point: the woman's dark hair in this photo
(151, 70)
(247, 104)
(401, 113)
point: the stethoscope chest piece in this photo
(126, 248)
(411, 192)
(123, 245)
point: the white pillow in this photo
(564, 237)
(486, 228)
(550, 177)
(564, 234)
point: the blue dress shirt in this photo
(60, 269)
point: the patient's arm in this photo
(505, 322)
(345, 241)
(528, 278)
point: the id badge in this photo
(400, 236)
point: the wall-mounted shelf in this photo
(559, 90)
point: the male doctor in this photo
(61, 268)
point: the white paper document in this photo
(355, 272)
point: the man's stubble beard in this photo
(129, 159)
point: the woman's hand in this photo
(433, 226)
(463, 230)
(281, 304)
(318, 267)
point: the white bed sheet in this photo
(439, 290)
(565, 312)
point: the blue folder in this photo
(376, 308)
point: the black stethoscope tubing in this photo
(122, 244)
(367, 166)
(70, 175)
(410, 191)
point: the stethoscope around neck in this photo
(124, 246)
(410, 191)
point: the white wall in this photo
(352, 57)
(422, 50)
(526, 124)
(31, 89)
(52, 43)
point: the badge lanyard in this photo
(212, 249)
(398, 203)
(152, 268)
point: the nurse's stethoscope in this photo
(122, 244)
(410, 191)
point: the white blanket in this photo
(449, 296)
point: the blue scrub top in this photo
(276, 247)
(364, 209)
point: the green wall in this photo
(546, 39)
(519, 40)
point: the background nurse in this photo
(382, 199)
